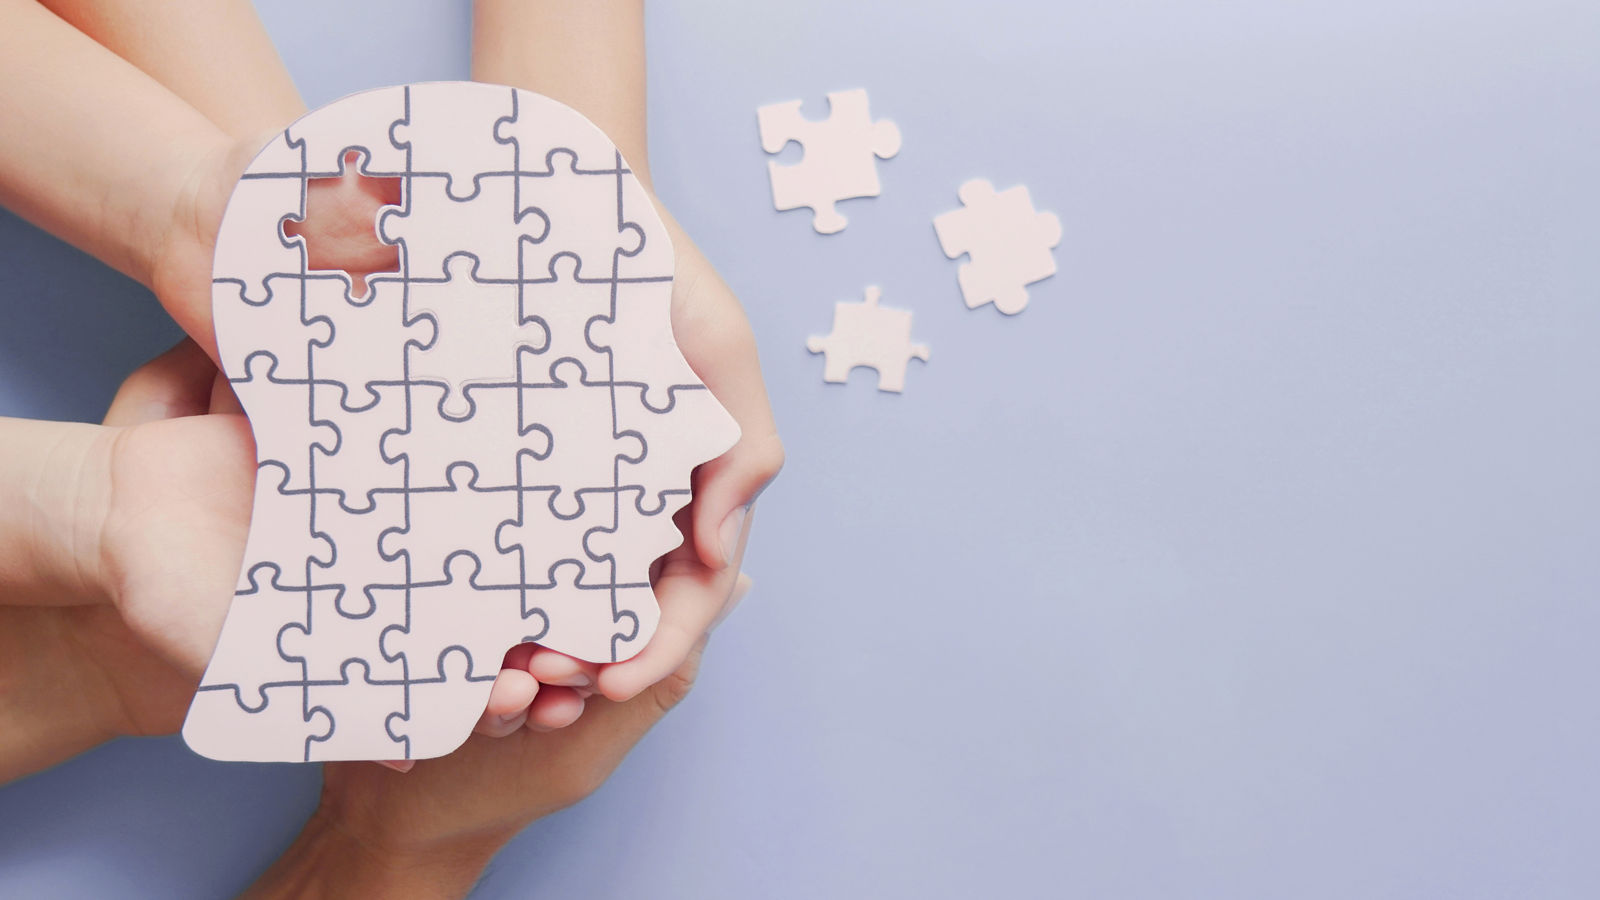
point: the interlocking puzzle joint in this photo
(456, 461)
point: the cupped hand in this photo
(693, 583)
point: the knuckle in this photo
(767, 458)
(674, 689)
(140, 381)
(578, 786)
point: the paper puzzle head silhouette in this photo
(485, 448)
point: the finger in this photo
(724, 490)
(399, 765)
(555, 707)
(176, 383)
(507, 709)
(223, 398)
(517, 657)
(741, 587)
(714, 335)
(691, 595)
(553, 667)
(500, 726)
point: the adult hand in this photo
(693, 582)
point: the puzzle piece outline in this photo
(1008, 243)
(869, 335)
(347, 583)
(840, 160)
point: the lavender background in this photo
(1255, 559)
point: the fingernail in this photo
(399, 765)
(728, 534)
(575, 680)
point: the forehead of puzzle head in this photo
(478, 162)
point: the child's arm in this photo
(589, 56)
(114, 160)
(93, 150)
(73, 673)
(214, 54)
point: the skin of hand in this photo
(73, 677)
(215, 55)
(76, 673)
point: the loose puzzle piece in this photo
(1008, 242)
(485, 449)
(866, 334)
(841, 155)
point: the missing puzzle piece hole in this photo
(340, 229)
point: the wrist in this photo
(174, 247)
(54, 491)
(334, 858)
(190, 182)
(52, 708)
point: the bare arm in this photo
(589, 56)
(93, 150)
(214, 54)
(207, 64)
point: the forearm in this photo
(588, 55)
(328, 860)
(47, 715)
(213, 54)
(53, 491)
(94, 150)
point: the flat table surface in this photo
(1256, 558)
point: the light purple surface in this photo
(1255, 559)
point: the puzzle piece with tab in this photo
(444, 456)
